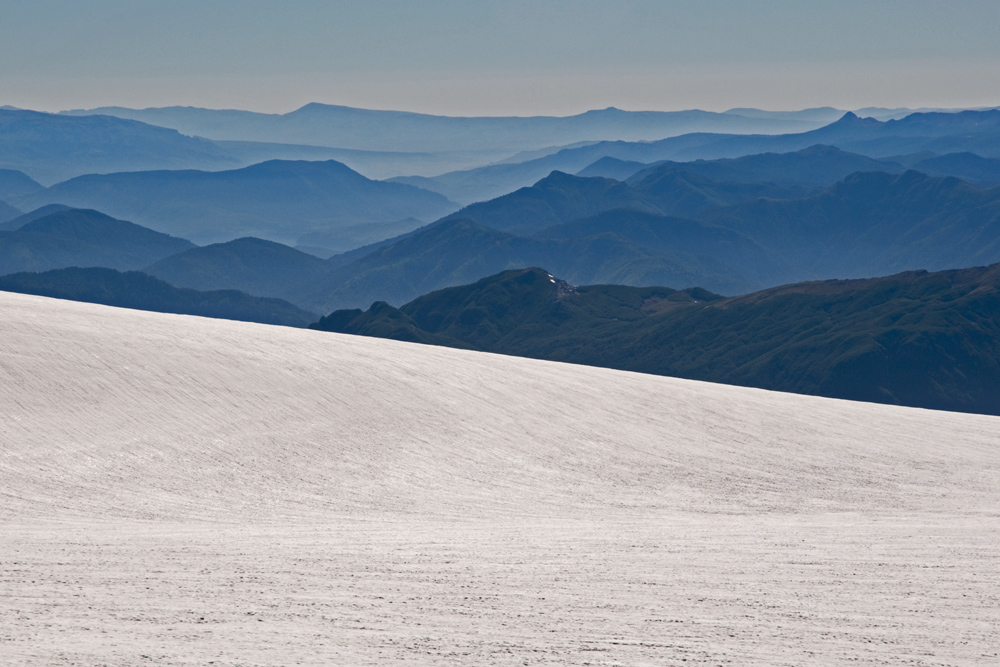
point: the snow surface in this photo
(183, 491)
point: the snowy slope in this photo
(152, 466)
(122, 413)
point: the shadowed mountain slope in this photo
(16, 223)
(560, 198)
(139, 291)
(15, 185)
(814, 167)
(869, 224)
(454, 252)
(75, 237)
(555, 199)
(875, 223)
(918, 339)
(966, 166)
(610, 167)
(279, 200)
(251, 265)
(8, 212)
(690, 194)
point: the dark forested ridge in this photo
(919, 339)
(139, 291)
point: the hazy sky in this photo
(511, 57)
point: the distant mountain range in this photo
(662, 228)
(603, 231)
(373, 130)
(466, 159)
(51, 148)
(921, 339)
(56, 147)
(933, 134)
(332, 205)
(669, 224)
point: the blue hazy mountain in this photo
(813, 167)
(554, 199)
(24, 218)
(373, 164)
(251, 265)
(560, 198)
(604, 231)
(85, 238)
(56, 147)
(278, 200)
(139, 291)
(968, 131)
(612, 167)
(875, 224)
(53, 147)
(869, 224)
(456, 251)
(15, 184)
(966, 166)
(8, 212)
(364, 129)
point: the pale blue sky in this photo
(510, 57)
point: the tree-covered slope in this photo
(920, 339)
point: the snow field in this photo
(179, 491)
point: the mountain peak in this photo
(852, 119)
